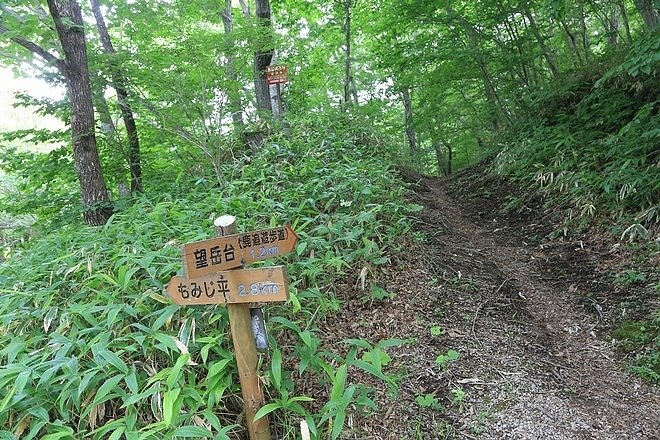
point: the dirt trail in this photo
(531, 365)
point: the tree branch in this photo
(246, 8)
(39, 10)
(12, 14)
(35, 49)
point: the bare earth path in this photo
(522, 316)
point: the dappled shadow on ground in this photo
(528, 316)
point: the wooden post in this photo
(245, 350)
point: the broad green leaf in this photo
(266, 409)
(276, 367)
(339, 383)
(114, 360)
(192, 432)
(171, 405)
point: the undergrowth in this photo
(91, 346)
(641, 342)
(589, 145)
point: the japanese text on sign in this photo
(277, 75)
(249, 285)
(209, 256)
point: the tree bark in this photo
(408, 115)
(496, 107)
(347, 65)
(649, 13)
(262, 57)
(512, 30)
(69, 26)
(626, 23)
(233, 88)
(108, 127)
(571, 40)
(547, 54)
(119, 84)
(586, 43)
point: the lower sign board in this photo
(265, 284)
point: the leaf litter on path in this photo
(530, 364)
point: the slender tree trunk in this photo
(347, 43)
(245, 8)
(233, 88)
(108, 127)
(512, 30)
(571, 40)
(450, 153)
(69, 25)
(613, 24)
(496, 107)
(354, 90)
(586, 44)
(119, 84)
(649, 12)
(626, 23)
(408, 118)
(547, 53)
(263, 56)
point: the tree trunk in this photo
(571, 40)
(547, 54)
(512, 30)
(496, 107)
(119, 84)
(649, 13)
(69, 25)
(626, 23)
(262, 57)
(408, 115)
(450, 152)
(347, 43)
(613, 26)
(233, 88)
(586, 43)
(440, 159)
(108, 127)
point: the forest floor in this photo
(530, 319)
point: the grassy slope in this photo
(88, 341)
(586, 154)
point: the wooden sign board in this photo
(231, 251)
(266, 284)
(277, 75)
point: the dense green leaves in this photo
(87, 333)
(89, 343)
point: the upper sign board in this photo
(277, 75)
(231, 251)
(263, 284)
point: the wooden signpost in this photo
(207, 280)
(231, 251)
(267, 284)
(277, 75)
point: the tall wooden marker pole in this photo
(213, 274)
(246, 352)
